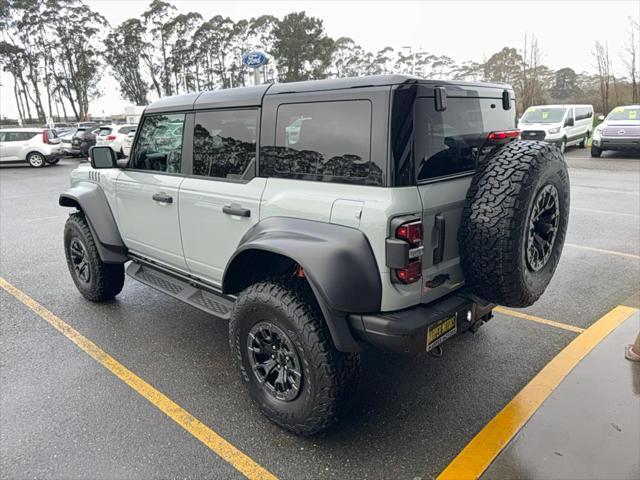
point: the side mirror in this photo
(601, 118)
(570, 122)
(103, 157)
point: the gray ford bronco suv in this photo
(323, 217)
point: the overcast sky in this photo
(463, 30)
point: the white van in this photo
(563, 125)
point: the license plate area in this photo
(441, 330)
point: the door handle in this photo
(162, 197)
(235, 209)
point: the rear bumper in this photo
(405, 331)
(605, 143)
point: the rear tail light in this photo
(111, 137)
(412, 273)
(45, 136)
(410, 232)
(504, 136)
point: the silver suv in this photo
(36, 146)
(323, 217)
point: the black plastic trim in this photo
(91, 200)
(405, 331)
(338, 263)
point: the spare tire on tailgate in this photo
(514, 223)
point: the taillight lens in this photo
(45, 137)
(503, 136)
(411, 232)
(111, 137)
(412, 273)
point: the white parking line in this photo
(608, 190)
(607, 212)
(601, 250)
(37, 219)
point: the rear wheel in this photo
(583, 142)
(53, 161)
(36, 160)
(595, 152)
(287, 359)
(97, 281)
(514, 223)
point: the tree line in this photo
(57, 52)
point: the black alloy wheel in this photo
(543, 227)
(275, 361)
(80, 260)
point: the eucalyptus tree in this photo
(301, 48)
(123, 47)
(156, 17)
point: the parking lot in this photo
(63, 415)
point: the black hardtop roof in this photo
(252, 96)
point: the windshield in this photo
(625, 113)
(543, 115)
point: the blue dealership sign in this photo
(254, 59)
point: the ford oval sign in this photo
(254, 59)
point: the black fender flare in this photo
(338, 262)
(90, 199)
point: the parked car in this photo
(563, 125)
(323, 216)
(619, 131)
(128, 141)
(66, 137)
(83, 140)
(114, 136)
(36, 146)
(87, 124)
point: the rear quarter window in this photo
(323, 141)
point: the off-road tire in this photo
(496, 222)
(330, 378)
(596, 152)
(106, 280)
(36, 160)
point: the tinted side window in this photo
(224, 143)
(159, 145)
(450, 142)
(324, 141)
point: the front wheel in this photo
(563, 145)
(287, 359)
(595, 152)
(36, 160)
(97, 281)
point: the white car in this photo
(114, 136)
(36, 146)
(563, 125)
(619, 131)
(128, 141)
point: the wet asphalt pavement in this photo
(62, 415)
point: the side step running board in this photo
(207, 301)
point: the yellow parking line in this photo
(533, 318)
(600, 250)
(211, 439)
(474, 459)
